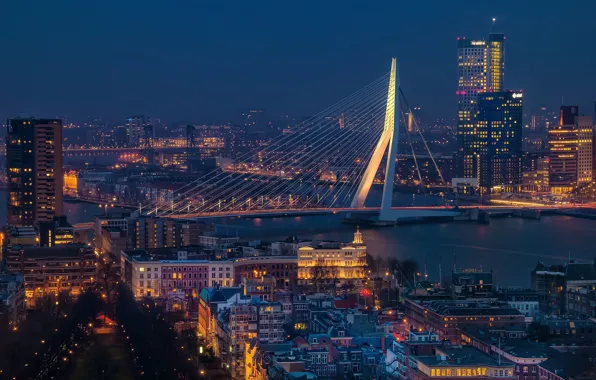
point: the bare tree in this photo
(319, 273)
(333, 274)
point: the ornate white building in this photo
(332, 261)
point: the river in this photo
(510, 247)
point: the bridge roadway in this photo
(412, 211)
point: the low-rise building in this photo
(582, 301)
(211, 301)
(459, 361)
(282, 268)
(12, 298)
(55, 232)
(21, 236)
(221, 273)
(66, 268)
(571, 331)
(446, 316)
(472, 283)
(549, 282)
(509, 344)
(159, 273)
(420, 343)
(218, 241)
(113, 241)
(527, 301)
(243, 321)
(578, 275)
(577, 365)
(335, 263)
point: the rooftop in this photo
(580, 272)
(572, 364)
(570, 323)
(458, 356)
(194, 254)
(219, 294)
(520, 348)
(464, 308)
(63, 251)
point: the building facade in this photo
(12, 298)
(135, 129)
(537, 180)
(336, 263)
(481, 68)
(152, 276)
(499, 140)
(34, 170)
(66, 268)
(570, 151)
(582, 301)
(444, 317)
(283, 269)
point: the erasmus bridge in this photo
(327, 165)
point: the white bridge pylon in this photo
(387, 143)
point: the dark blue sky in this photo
(201, 61)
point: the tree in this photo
(318, 273)
(538, 332)
(333, 274)
(408, 269)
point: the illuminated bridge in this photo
(328, 164)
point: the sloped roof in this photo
(569, 364)
(580, 272)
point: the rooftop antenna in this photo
(494, 23)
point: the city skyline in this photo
(332, 191)
(279, 63)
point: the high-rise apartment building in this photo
(481, 68)
(499, 140)
(135, 129)
(34, 170)
(570, 150)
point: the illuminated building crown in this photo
(358, 236)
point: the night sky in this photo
(202, 61)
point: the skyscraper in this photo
(570, 150)
(34, 170)
(481, 68)
(135, 129)
(499, 139)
